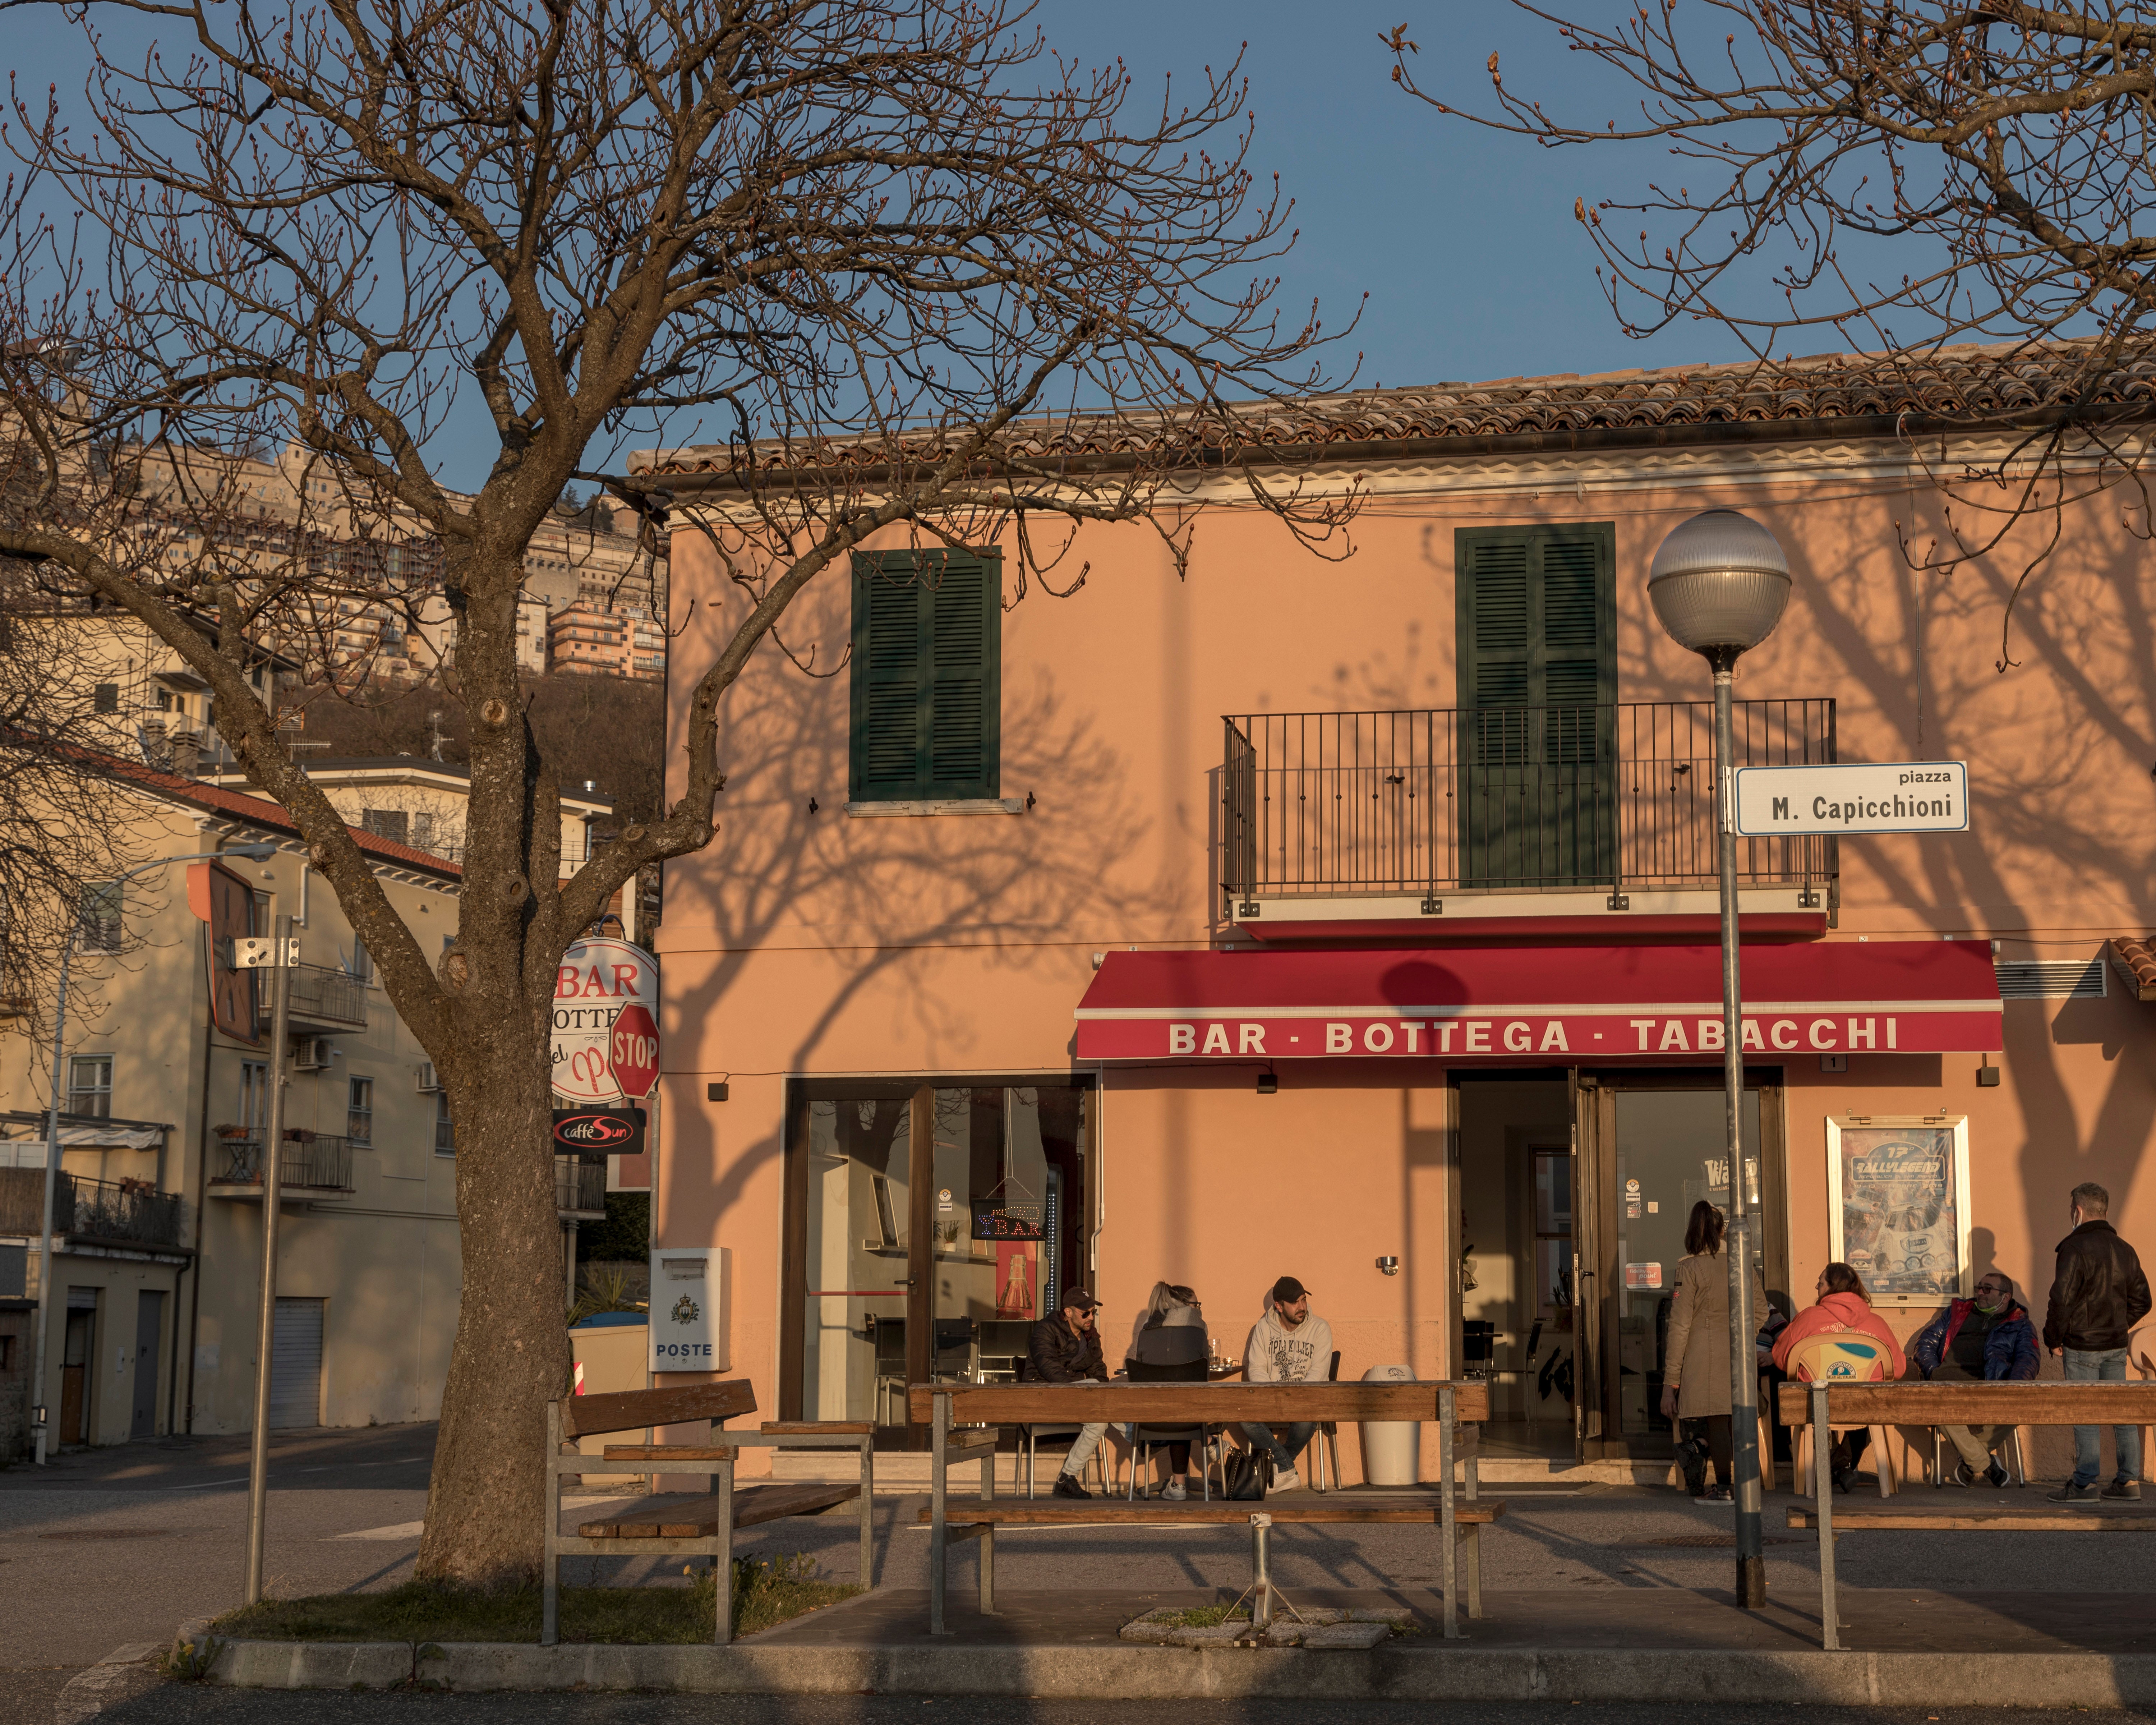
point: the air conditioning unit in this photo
(428, 1084)
(313, 1054)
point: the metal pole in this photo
(265, 1331)
(1743, 1322)
(38, 1410)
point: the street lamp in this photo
(1719, 584)
(252, 852)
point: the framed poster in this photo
(1897, 1203)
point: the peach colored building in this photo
(1355, 919)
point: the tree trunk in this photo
(486, 1498)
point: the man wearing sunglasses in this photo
(1987, 1339)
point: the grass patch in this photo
(1204, 1617)
(765, 1593)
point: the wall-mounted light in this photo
(1389, 1266)
(1987, 1075)
(1268, 1084)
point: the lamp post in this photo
(38, 1424)
(1719, 584)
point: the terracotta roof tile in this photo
(1970, 383)
(2134, 958)
(263, 813)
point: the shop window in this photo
(90, 1087)
(926, 676)
(359, 1111)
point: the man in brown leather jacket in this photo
(2097, 1296)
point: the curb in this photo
(1139, 1673)
(87, 1693)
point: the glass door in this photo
(859, 1203)
(1658, 1147)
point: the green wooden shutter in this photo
(927, 684)
(1535, 614)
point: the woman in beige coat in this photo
(1695, 1369)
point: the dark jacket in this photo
(2009, 1351)
(1056, 1354)
(2099, 1293)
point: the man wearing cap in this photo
(1065, 1349)
(1288, 1345)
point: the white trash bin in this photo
(1391, 1448)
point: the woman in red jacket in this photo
(1844, 1308)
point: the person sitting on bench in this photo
(1987, 1339)
(1844, 1309)
(1290, 1344)
(1065, 1347)
(1172, 1337)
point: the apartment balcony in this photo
(1508, 821)
(309, 1164)
(125, 1213)
(323, 998)
(579, 1189)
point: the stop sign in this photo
(634, 1051)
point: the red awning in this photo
(1542, 1005)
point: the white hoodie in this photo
(1277, 1354)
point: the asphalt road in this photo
(181, 1704)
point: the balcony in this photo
(113, 1212)
(580, 1189)
(308, 1162)
(323, 998)
(1510, 820)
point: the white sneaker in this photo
(1287, 1480)
(1174, 1491)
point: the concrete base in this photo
(1393, 1672)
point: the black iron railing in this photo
(130, 1211)
(312, 1163)
(1541, 798)
(579, 1186)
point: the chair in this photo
(1145, 1439)
(1328, 1433)
(2017, 1469)
(1028, 1435)
(1850, 1357)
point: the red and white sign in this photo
(1541, 1006)
(597, 981)
(635, 1052)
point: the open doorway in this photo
(1517, 1250)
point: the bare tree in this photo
(1909, 173)
(57, 837)
(870, 238)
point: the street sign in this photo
(596, 980)
(225, 900)
(1886, 797)
(593, 1134)
(634, 1051)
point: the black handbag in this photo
(1242, 1480)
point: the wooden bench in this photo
(950, 1408)
(2026, 1402)
(675, 1533)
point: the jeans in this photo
(2102, 1365)
(1716, 1429)
(1283, 1451)
(1088, 1441)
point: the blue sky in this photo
(1464, 239)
